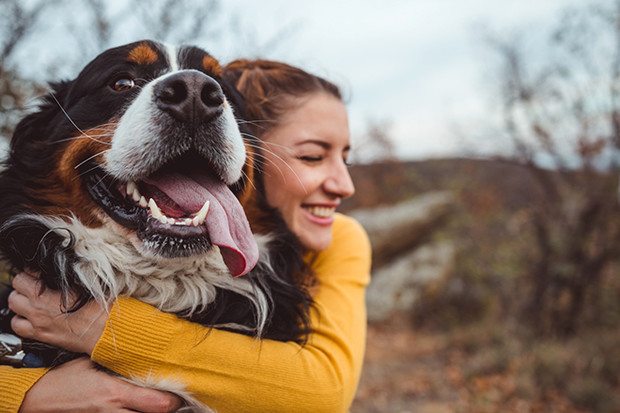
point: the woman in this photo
(303, 123)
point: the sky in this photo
(420, 66)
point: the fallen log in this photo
(394, 230)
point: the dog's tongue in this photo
(227, 224)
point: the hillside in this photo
(391, 182)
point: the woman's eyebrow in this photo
(322, 144)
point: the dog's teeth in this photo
(136, 195)
(143, 202)
(131, 188)
(200, 217)
(155, 211)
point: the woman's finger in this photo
(19, 303)
(22, 327)
(26, 285)
(152, 401)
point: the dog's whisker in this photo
(254, 122)
(289, 150)
(287, 165)
(248, 179)
(89, 158)
(83, 173)
(69, 117)
(102, 179)
(260, 155)
(91, 136)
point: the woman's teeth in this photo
(197, 218)
(321, 211)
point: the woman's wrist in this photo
(88, 326)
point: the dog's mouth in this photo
(181, 210)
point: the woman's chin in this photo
(315, 238)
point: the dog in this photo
(137, 179)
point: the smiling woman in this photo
(303, 124)
(306, 161)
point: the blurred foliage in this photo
(561, 113)
(481, 308)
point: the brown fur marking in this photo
(212, 66)
(142, 54)
(63, 189)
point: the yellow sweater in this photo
(234, 373)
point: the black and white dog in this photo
(132, 180)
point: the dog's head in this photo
(145, 140)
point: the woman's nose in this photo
(339, 182)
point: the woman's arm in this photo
(232, 372)
(90, 390)
(14, 384)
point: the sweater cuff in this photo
(15, 384)
(135, 337)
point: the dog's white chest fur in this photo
(109, 265)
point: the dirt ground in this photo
(405, 372)
(414, 371)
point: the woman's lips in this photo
(320, 214)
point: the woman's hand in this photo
(77, 386)
(40, 317)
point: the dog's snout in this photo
(189, 96)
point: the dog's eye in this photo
(120, 85)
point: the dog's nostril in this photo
(173, 92)
(211, 97)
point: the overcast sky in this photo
(419, 64)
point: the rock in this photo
(405, 263)
(397, 286)
(396, 229)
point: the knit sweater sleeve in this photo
(14, 383)
(234, 373)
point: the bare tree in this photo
(17, 23)
(375, 144)
(562, 116)
(99, 25)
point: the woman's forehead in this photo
(320, 120)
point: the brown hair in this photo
(270, 89)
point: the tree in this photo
(562, 116)
(99, 25)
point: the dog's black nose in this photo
(189, 96)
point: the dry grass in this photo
(488, 367)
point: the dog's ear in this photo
(36, 127)
(234, 97)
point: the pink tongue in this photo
(227, 224)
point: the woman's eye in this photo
(311, 158)
(123, 84)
